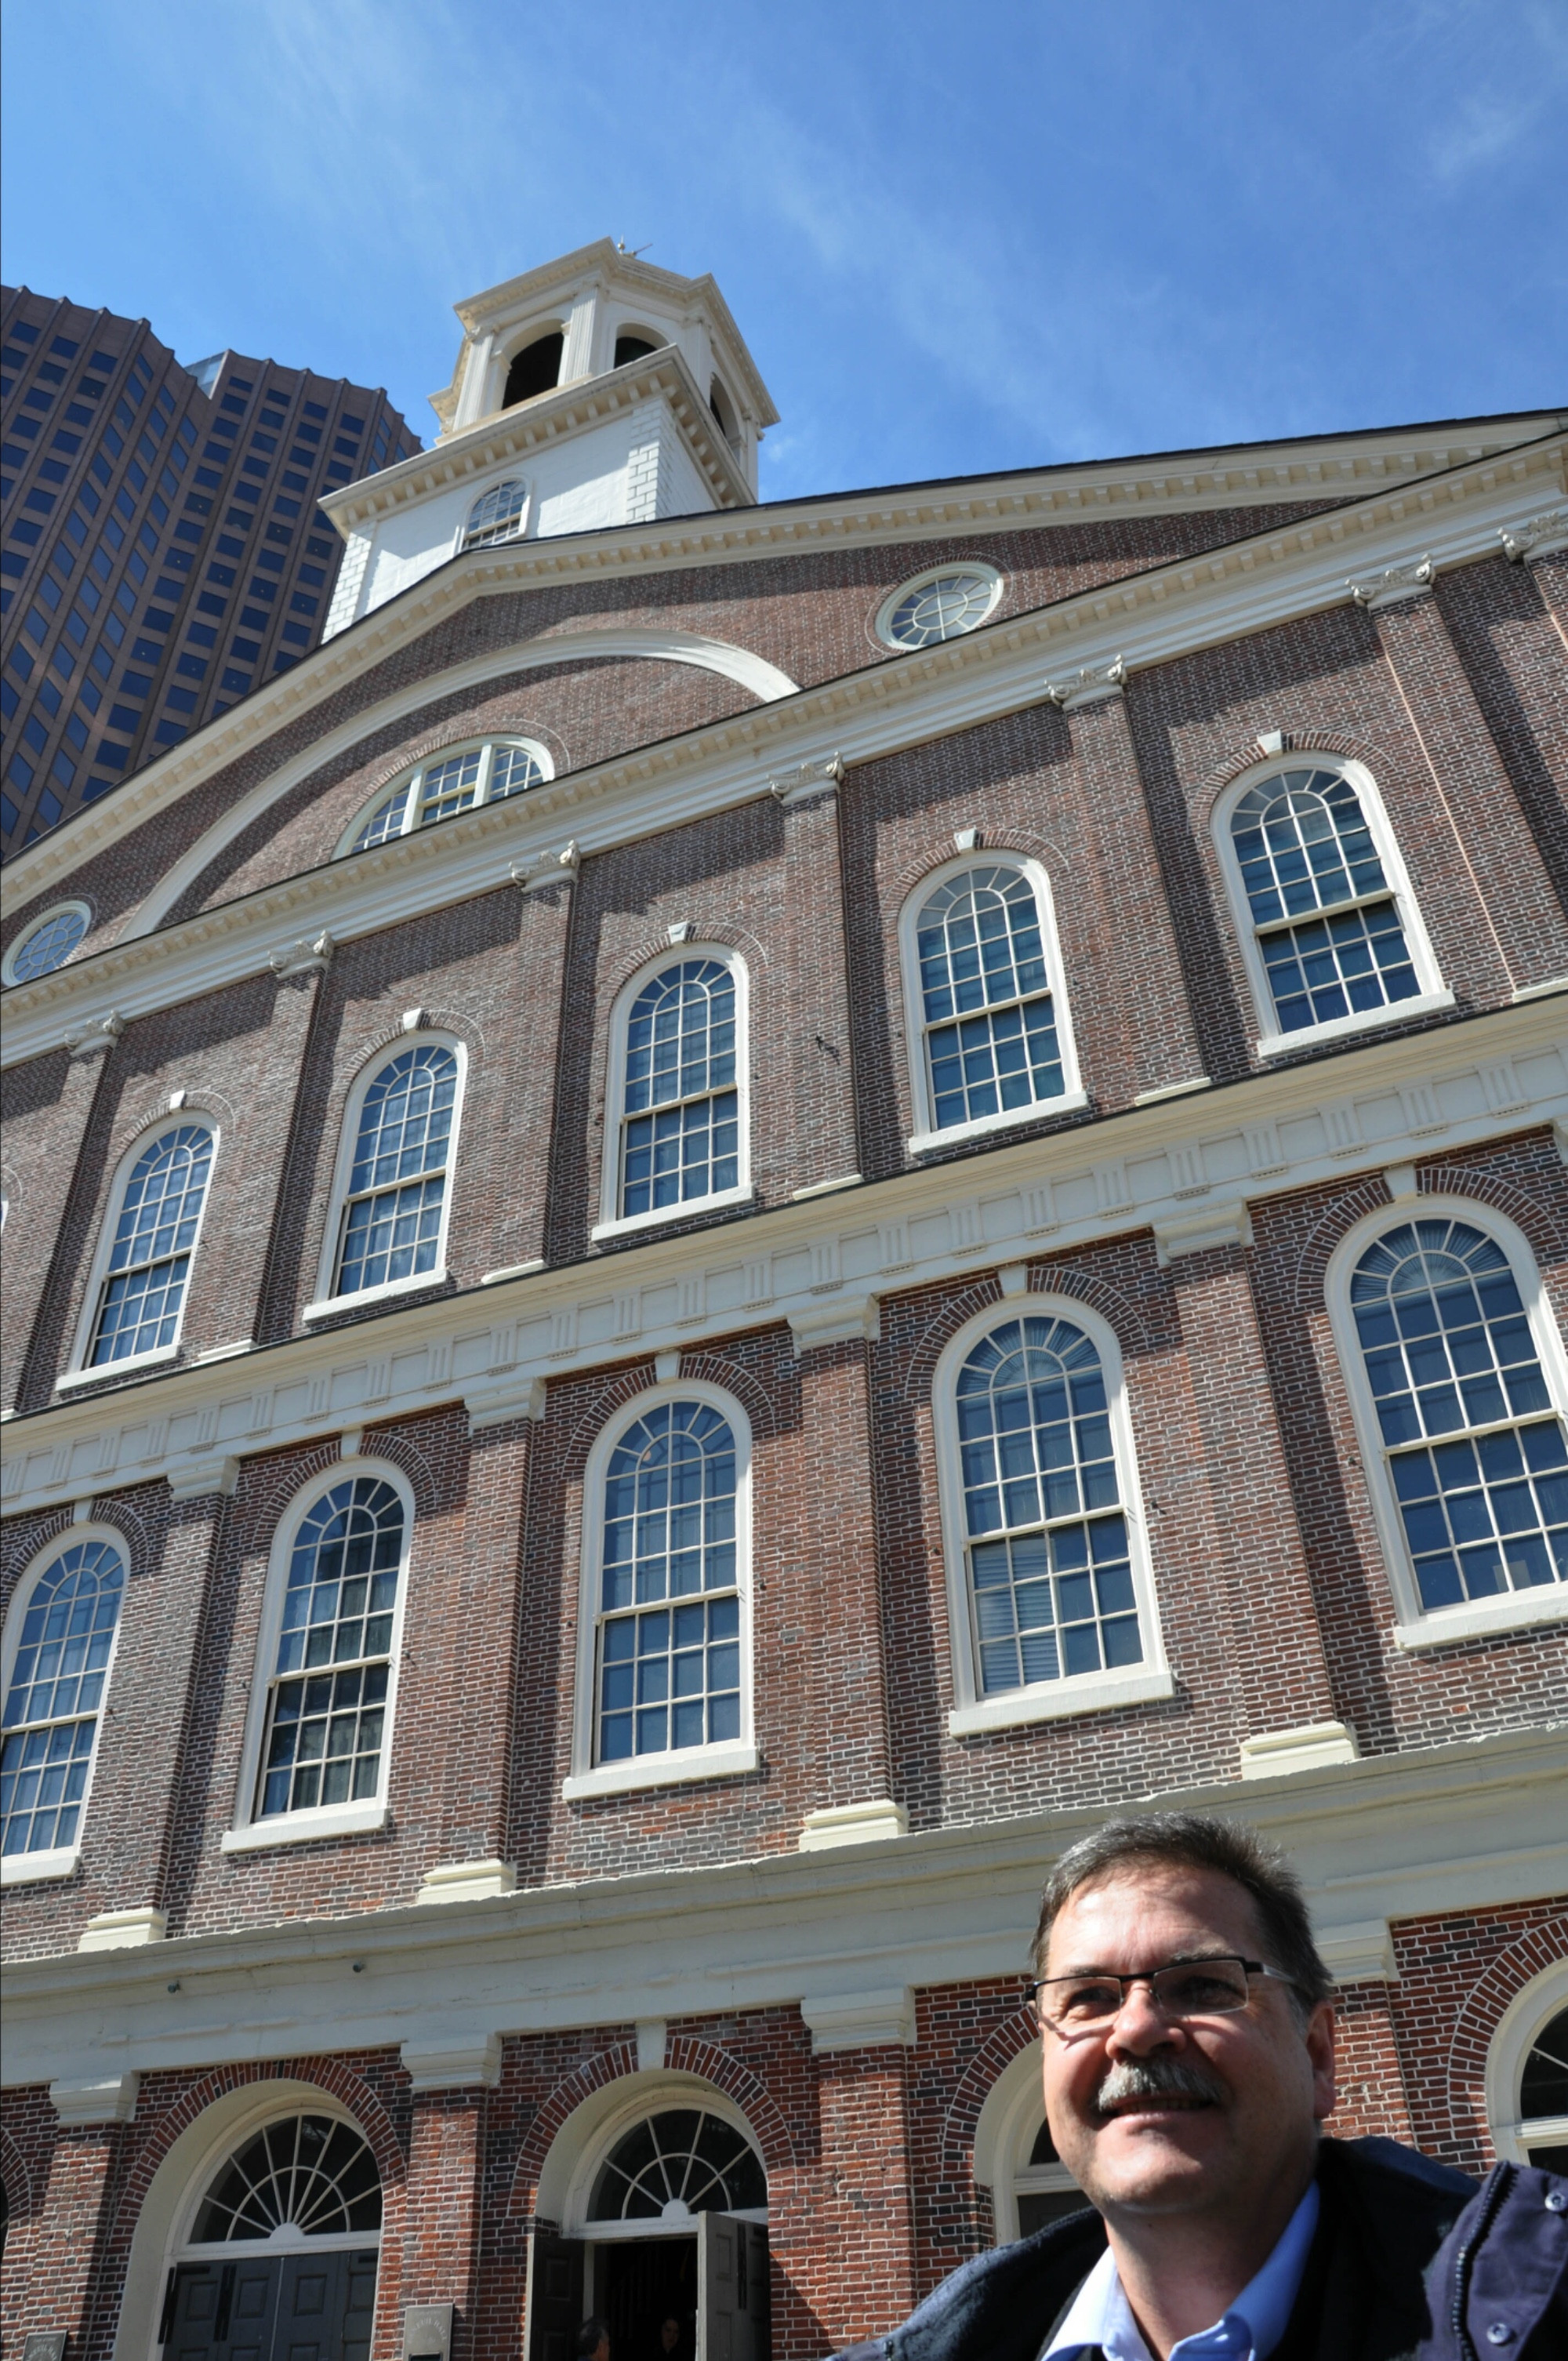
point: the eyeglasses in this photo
(1207, 1987)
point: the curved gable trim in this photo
(764, 681)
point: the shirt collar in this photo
(1249, 2331)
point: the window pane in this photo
(992, 1041)
(55, 1689)
(942, 609)
(1304, 844)
(682, 1135)
(1338, 966)
(670, 1674)
(496, 515)
(151, 1258)
(386, 820)
(329, 1691)
(392, 1222)
(48, 946)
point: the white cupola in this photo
(594, 392)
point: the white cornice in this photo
(1403, 1834)
(1139, 622)
(1376, 477)
(1187, 1168)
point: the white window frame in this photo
(181, 2247)
(896, 598)
(78, 1370)
(1519, 2029)
(678, 1766)
(55, 910)
(972, 1711)
(246, 1833)
(411, 776)
(612, 1222)
(1415, 1626)
(33, 1868)
(637, 2097)
(524, 519)
(1433, 993)
(926, 1138)
(326, 1302)
(1009, 2122)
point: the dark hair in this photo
(591, 2335)
(1194, 1841)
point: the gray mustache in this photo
(1156, 2078)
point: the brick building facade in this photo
(697, 1257)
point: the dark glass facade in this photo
(162, 553)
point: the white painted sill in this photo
(32, 1868)
(416, 1279)
(1362, 1020)
(1055, 1701)
(660, 1771)
(662, 1214)
(304, 1827)
(1479, 1619)
(924, 1143)
(131, 1366)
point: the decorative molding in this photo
(112, 2101)
(1217, 1226)
(835, 1324)
(467, 1880)
(667, 1366)
(1538, 536)
(1359, 1953)
(1088, 685)
(808, 780)
(1400, 1182)
(190, 1479)
(826, 1188)
(1013, 1278)
(98, 1033)
(444, 2062)
(121, 1931)
(1314, 1747)
(867, 2020)
(851, 1824)
(1173, 1091)
(548, 869)
(523, 1396)
(650, 2042)
(303, 957)
(1394, 583)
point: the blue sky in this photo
(956, 237)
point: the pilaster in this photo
(863, 2262)
(57, 2295)
(823, 1142)
(526, 1100)
(48, 1107)
(443, 2210)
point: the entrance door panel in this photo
(732, 2277)
(554, 2306)
(285, 2308)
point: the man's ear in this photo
(1321, 2039)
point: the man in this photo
(593, 2340)
(1188, 2038)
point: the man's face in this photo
(670, 2335)
(1263, 2083)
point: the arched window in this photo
(63, 1643)
(1463, 1370)
(497, 515)
(137, 1296)
(330, 1640)
(534, 369)
(308, 2174)
(678, 1135)
(1331, 933)
(664, 1675)
(390, 1229)
(454, 781)
(1543, 2096)
(676, 2164)
(1054, 1607)
(981, 965)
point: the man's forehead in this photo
(1178, 1896)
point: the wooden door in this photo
(732, 2290)
(554, 2311)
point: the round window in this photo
(672, 2164)
(941, 605)
(48, 942)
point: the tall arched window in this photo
(664, 1680)
(981, 965)
(391, 1226)
(62, 1643)
(1046, 1550)
(138, 1295)
(497, 515)
(678, 1135)
(1332, 936)
(329, 1645)
(1463, 1372)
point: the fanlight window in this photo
(49, 944)
(149, 1261)
(453, 783)
(990, 1029)
(397, 1183)
(1543, 2097)
(497, 515)
(327, 1702)
(1327, 923)
(308, 2173)
(678, 2163)
(1477, 1454)
(941, 606)
(681, 1126)
(56, 1692)
(1050, 1560)
(669, 1648)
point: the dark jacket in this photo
(1387, 2229)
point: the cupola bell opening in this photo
(535, 370)
(633, 347)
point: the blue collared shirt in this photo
(1102, 2317)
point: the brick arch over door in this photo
(1532, 1951)
(684, 2054)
